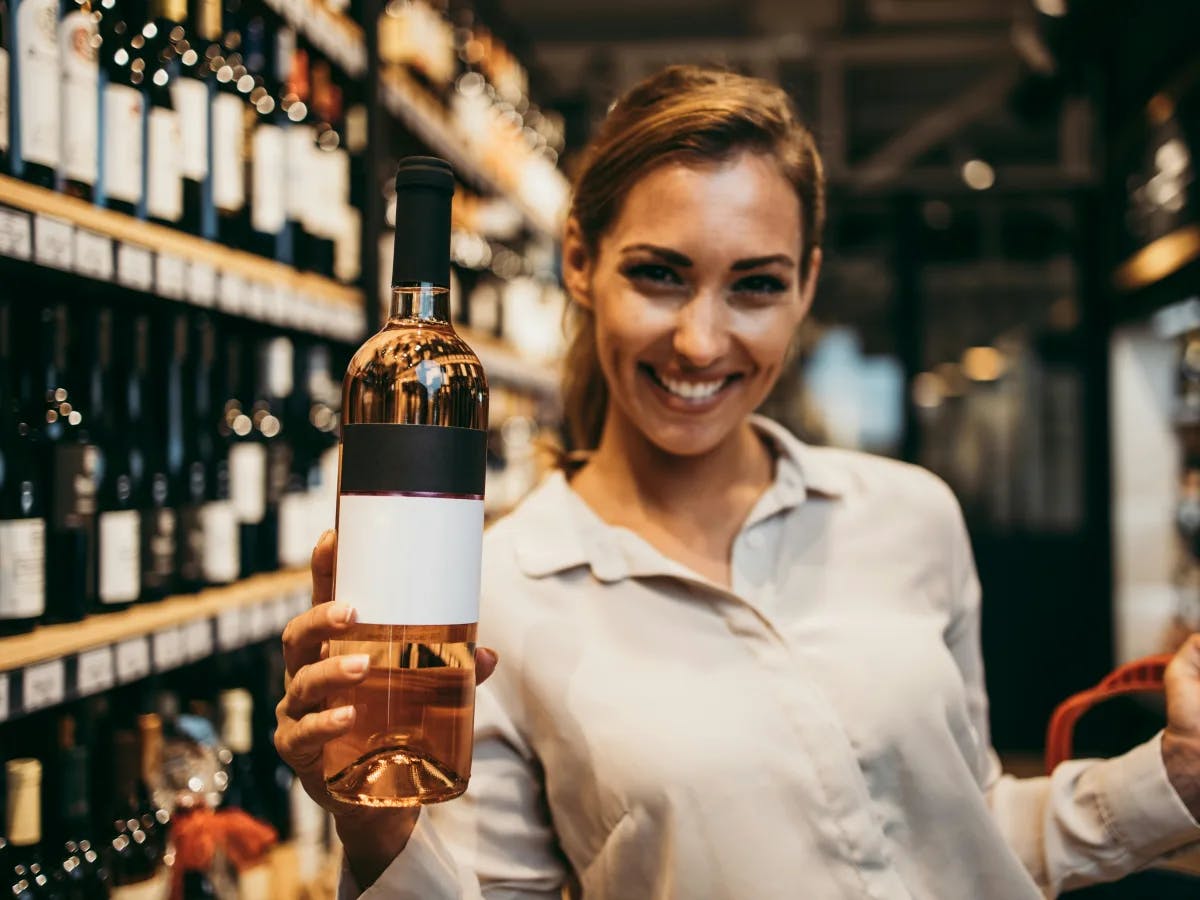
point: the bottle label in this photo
(123, 142)
(190, 96)
(301, 147)
(38, 58)
(248, 481)
(412, 492)
(120, 556)
(268, 203)
(164, 182)
(22, 568)
(220, 558)
(74, 495)
(296, 537)
(159, 529)
(80, 90)
(228, 159)
(4, 102)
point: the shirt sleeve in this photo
(1091, 820)
(495, 842)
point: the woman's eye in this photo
(760, 284)
(653, 273)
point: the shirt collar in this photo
(560, 531)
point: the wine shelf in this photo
(55, 664)
(61, 232)
(506, 365)
(336, 35)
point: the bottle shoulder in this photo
(404, 344)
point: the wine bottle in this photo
(22, 522)
(139, 822)
(267, 169)
(164, 139)
(114, 402)
(37, 142)
(123, 127)
(191, 95)
(148, 402)
(327, 177)
(79, 40)
(246, 453)
(411, 481)
(237, 737)
(72, 464)
(301, 145)
(26, 876)
(80, 867)
(274, 387)
(5, 87)
(229, 135)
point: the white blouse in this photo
(820, 730)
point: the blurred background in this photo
(195, 233)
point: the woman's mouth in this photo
(693, 392)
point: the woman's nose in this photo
(701, 333)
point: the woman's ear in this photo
(577, 264)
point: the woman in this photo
(735, 666)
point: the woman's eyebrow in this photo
(674, 257)
(757, 261)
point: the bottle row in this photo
(144, 454)
(170, 787)
(219, 120)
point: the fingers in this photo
(485, 663)
(308, 688)
(299, 741)
(322, 567)
(303, 635)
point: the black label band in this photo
(416, 459)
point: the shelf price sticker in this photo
(93, 254)
(232, 295)
(95, 671)
(3, 697)
(135, 267)
(44, 685)
(300, 603)
(168, 649)
(229, 629)
(133, 659)
(171, 276)
(53, 242)
(16, 237)
(256, 301)
(281, 612)
(202, 284)
(198, 638)
(257, 621)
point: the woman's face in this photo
(696, 294)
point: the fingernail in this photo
(489, 652)
(355, 664)
(342, 615)
(342, 715)
(326, 535)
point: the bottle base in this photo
(395, 776)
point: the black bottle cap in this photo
(424, 186)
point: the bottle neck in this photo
(424, 302)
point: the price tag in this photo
(95, 672)
(16, 238)
(199, 638)
(202, 284)
(275, 296)
(170, 277)
(53, 242)
(3, 697)
(133, 659)
(229, 630)
(93, 254)
(281, 613)
(301, 601)
(232, 294)
(168, 649)
(256, 301)
(135, 267)
(44, 685)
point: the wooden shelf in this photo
(58, 663)
(72, 234)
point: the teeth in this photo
(692, 390)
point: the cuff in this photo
(1142, 809)
(424, 870)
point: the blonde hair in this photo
(682, 113)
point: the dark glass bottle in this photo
(246, 448)
(80, 867)
(22, 516)
(229, 112)
(267, 163)
(164, 173)
(147, 403)
(5, 88)
(26, 876)
(37, 144)
(79, 42)
(123, 128)
(191, 94)
(139, 823)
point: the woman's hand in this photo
(372, 837)
(1181, 740)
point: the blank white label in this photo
(164, 178)
(38, 63)
(190, 97)
(248, 481)
(3, 697)
(258, 620)
(16, 237)
(229, 152)
(80, 85)
(133, 659)
(22, 568)
(135, 267)
(202, 284)
(229, 629)
(93, 254)
(120, 556)
(295, 517)
(268, 206)
(44, 685)
(220, 560)
(168, 649)
(445, 534)
(198, 638)
(54, 242)
(123, 142)
(301, 147)
(170, 276)
(95, 671)
(231, 294)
